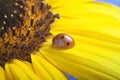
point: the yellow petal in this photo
(95, 11)
(85, 60)
(25, 69)
(2, 74)
(8, 72)
(17, 72)
(94, 25)
(29, 65)
(61, 3)
(103, 31)
(45, 70)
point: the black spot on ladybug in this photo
(62, 37)
(68, 43)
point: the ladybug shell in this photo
(63, 41)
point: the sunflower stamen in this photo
(41, 5)
(28, 32)
(32, 9)
(13, 31)
(31, 22)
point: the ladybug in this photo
(63, 41)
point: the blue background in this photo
(116, 2)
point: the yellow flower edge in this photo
(95, 55)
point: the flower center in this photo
(24, 26)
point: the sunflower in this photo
(27, 28)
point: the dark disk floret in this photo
(24, 26)
(11, 14)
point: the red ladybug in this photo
(63, 41)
